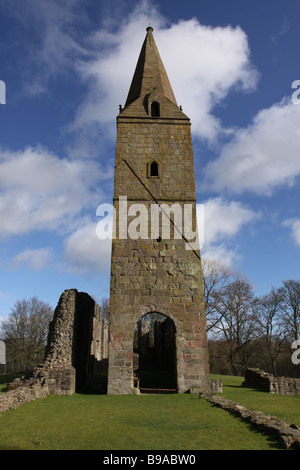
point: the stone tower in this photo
(154, 268)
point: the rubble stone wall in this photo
(257, 378)
(76, 351)
(77, 346)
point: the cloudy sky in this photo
(67, 66)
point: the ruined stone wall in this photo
(77, 350)
(77, 346)
(257, 378)
(21, 394)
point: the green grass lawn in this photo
(144, 422)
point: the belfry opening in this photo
(155, 109)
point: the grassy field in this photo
(145, 422)
(286, 408)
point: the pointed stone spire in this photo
(150, 73)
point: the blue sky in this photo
(68, 65)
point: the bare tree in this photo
(216, 277)
(26, 330)
(272, 329)
(237, 326)
(290, 307)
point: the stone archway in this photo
(154, 361)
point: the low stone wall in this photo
(23, 390)
(257, 378)
(11, 400)
(285, 386)
(287, 434)
(37, 384)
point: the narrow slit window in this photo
(155, 109)
(154, 169)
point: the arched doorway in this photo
(155, 354)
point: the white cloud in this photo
(224, 219)
(222, 254)
(295, 226)
(261, 157)
(222, 222)
(85, 252)
(204, 63)
(35, 259)
(40, 191)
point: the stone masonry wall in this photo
(77, 343)
(257, 378)
(156, 275)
